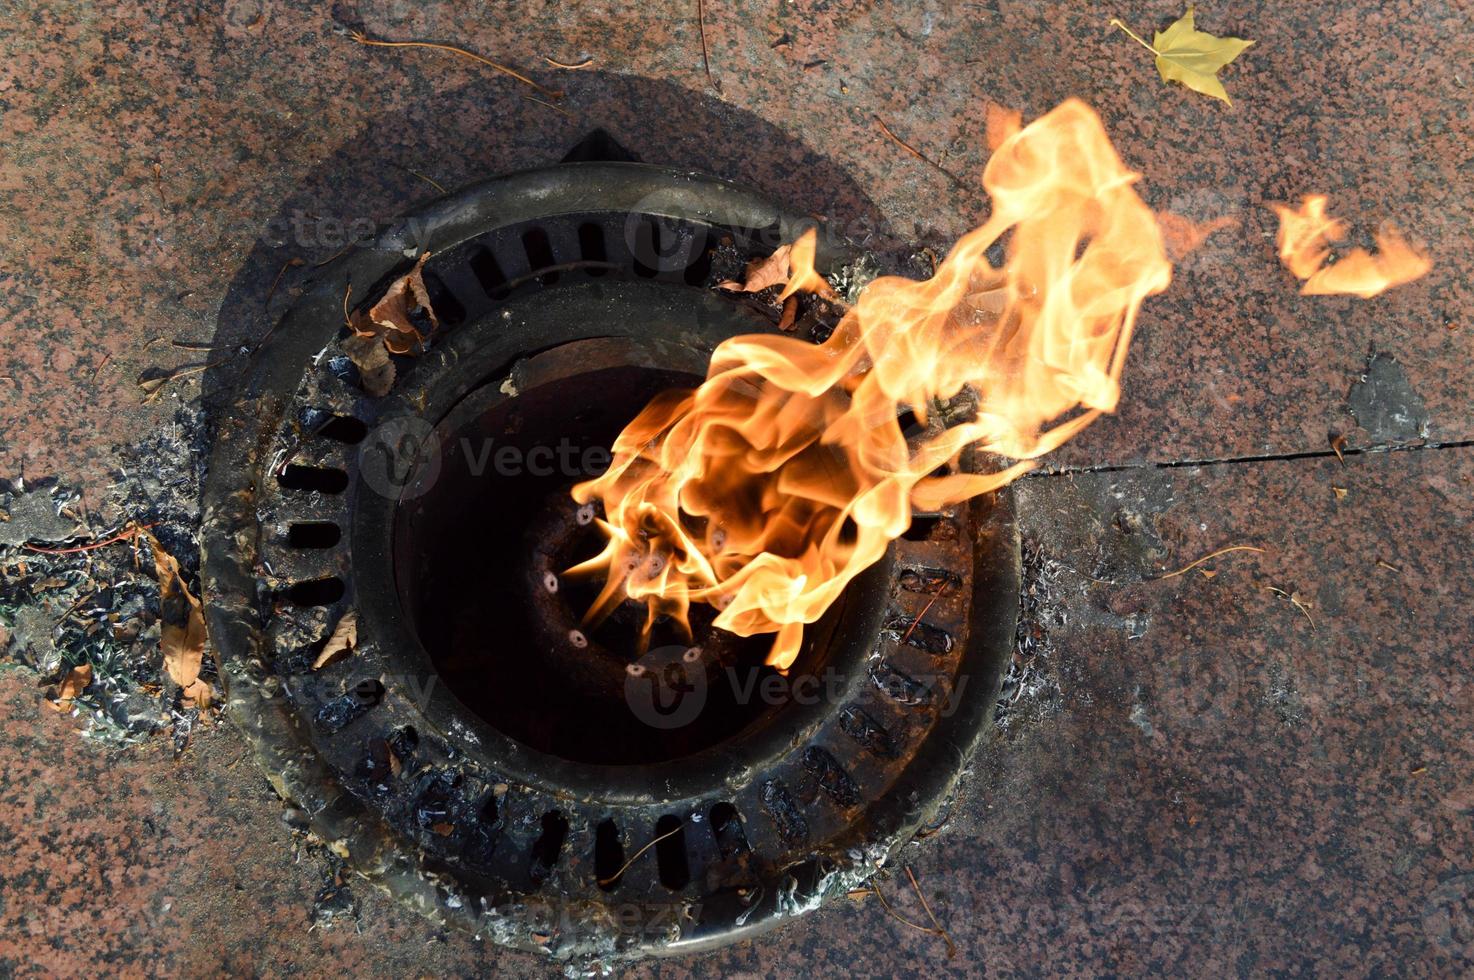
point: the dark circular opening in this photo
(482, 537)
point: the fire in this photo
(786, 473)
(1305, 237)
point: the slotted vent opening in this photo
(926, 527)
(343, 428)
(591, 246)
(539, 249)
(488, 272)
(316, 592)
(490, 812)
(548, 846)
(608, 856)
(646, 251)
(314, 534)
(726, 829)
(320, 479)
(670, 852)
(698, 257)
(448, 309)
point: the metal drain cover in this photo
(464, 774)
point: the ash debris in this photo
(1031, 688)
(70, 604)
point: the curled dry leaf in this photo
(790, 266)
(389, 328)
(73, 684)
(389, 318)
(1305, 237)
(375, 369)
(181, 627)
(341, 643)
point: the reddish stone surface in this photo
(1233, 790)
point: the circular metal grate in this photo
(563, 292)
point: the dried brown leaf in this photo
(389, 318)
(181, 627)
(790, 266)
(73, 684)
(342, 642)
(763, 273)
(375, 369)
(790, 314)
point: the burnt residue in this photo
(836, 783)
(899, 685)
(930, 581)
(348, 707)
(98, 607)
(916, 632)
(785, 811)
(1384, 403)
(1032, 680)
(860, 726)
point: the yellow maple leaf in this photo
(1188, 55)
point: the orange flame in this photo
(786, 473)
(1304, 243)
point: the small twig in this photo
(555, 108)
(564, 267)
(104, 364)
(290, 263)
(341, 251)
(917, 153)
(615, 877)
(1389, 566)
(705, 53)
(1294, 601)
(369, 42)
(429, 180)
(1116, 23)
(585, 63)
(153, 386)
(924, 610)
(127, 535)
(875, 890)
(347, 320)
(159, 185)
(925, 907)
(1191, 565)
(195, 346)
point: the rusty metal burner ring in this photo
(591, 275)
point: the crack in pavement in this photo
(1229, 460)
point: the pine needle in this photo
(615, 877)
(462, 52)
(917, 153)
(1191, 565)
